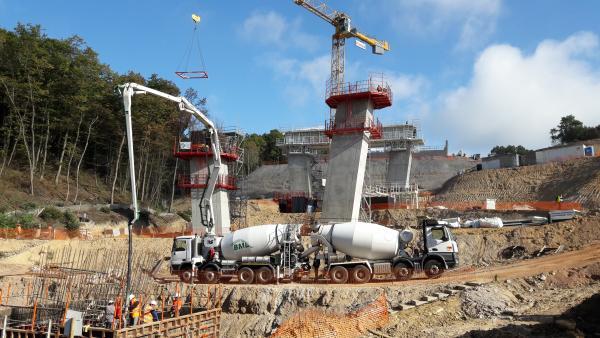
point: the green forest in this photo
(60, 116)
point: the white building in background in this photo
(566, 152)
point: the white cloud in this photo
(304, 79)
(272, 29)
(474, 21)
(515, 98)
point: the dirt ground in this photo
(534, 294)
(577, 180)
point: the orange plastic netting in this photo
(318, 323)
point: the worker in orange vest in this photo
(134, 310)
(177, 304)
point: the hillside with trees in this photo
(61, 122)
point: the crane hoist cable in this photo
(193, 52)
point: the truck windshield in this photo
(179, 245)
(450, 236)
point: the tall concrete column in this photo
(220, 199)
(299, 165)
(347, 163)
(399, 165)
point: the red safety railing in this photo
(374, 127)
(375, 88)
(186, 150)
(199, 182)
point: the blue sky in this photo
(478, 73)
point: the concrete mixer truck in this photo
(356, 251)
(257, 254)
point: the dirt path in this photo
(524, 268)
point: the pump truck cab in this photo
(356, 252)
(258, 254)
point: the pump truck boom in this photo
(127, 91)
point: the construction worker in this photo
(109, 314)
(559, 200)
(154, 311)
(176, 307)
(134, 310)
(147, 314)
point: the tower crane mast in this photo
(343, 30)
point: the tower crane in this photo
(343, 30)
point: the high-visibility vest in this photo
(134, 309)
(177, 304)
(147, 318)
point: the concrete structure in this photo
(350, 128)
(500, 161)
(396, 145)
(201, 162)
(399, 167)
(560, 153)
(299, 170)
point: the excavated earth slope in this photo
(577, 180)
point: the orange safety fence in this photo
(318, 323)
(476, 205)
(508, 205)
(62, 234)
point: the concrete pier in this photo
(299, 168)
(220, 199)
(347, 161)
(399, 166)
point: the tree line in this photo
(568, 130)
(60, 114)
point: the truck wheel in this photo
(264, 275)
(245, 275)
(361, 274)
(338, 274)
(433, 268)
(186, 276)
(209, 275)
(402, 271)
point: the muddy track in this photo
(523, 268)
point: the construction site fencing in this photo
(507, 205)
(85, 280)
(319, 323)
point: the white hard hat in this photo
(131, 297)
(111, 301)
(176, 295)
(153, 302)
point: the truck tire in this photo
(209, 275)
(433, 268)
(264, 275)
(338, 274)
(186, 276)
(245, 275)
(361, 274)
(402, 271)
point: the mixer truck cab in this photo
(258, 254)
(192, 252)
(357, 251)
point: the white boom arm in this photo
(128, 90)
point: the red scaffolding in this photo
(192, 150)
(374, 127)
(375, 88)
(199, 182)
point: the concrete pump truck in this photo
(351, 251)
